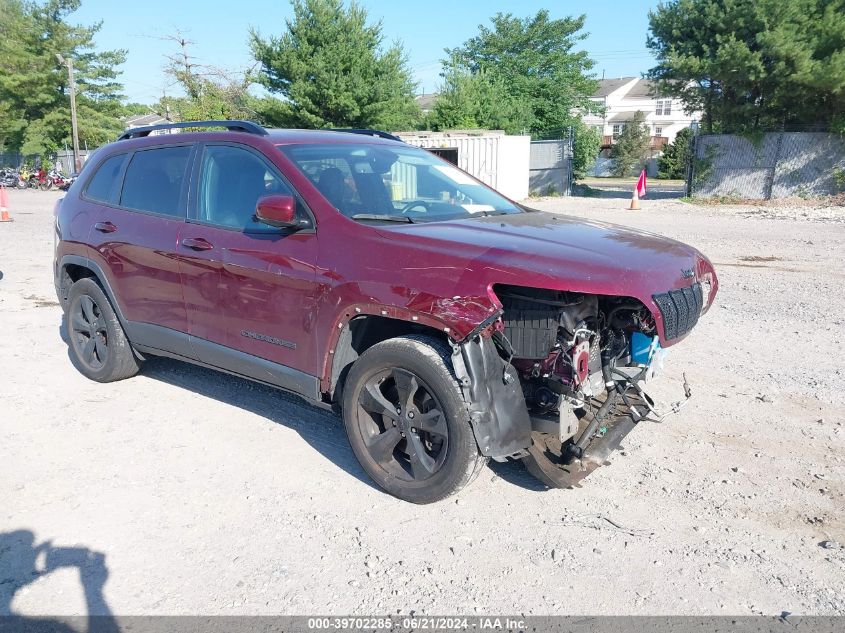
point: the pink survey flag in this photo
(641, 184)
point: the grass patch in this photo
(549, 192)
(713, 201)
(837, 200)
(585, 191)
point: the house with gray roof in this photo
(623, 97)
(143, 120)
(426, 101)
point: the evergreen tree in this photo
(331, 69)
(632, 147)
(468, 101)
(673, 162)
(753, 65)
(34, 96)
(535, 63)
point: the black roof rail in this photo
(369, 132)
(235, 126)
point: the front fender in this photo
(457, 317)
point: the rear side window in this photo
(153, 180)
(103, 186)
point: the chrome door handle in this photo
(197, 244)
(105, 227)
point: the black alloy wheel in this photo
(88, 334)
(407, 421)
(403, 425)
(98, 345)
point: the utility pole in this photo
(68, 63)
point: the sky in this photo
(617, 33)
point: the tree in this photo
(468, 101)
(631, 147)
(132, 108)
(210, 92)
(34, 99)
(332, 70)
(753, 65)
(673, 162)
(534, 60)
(585, 149)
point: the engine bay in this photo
(581, 360)
(567, 345)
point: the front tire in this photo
(98, 345)
(407, 422)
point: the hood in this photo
(545, 250)
(559, 247)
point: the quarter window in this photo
(154, 179)
(231, 182)
(103, 186)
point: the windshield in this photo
(394, 183)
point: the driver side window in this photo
(231, 181)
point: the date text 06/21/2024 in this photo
(417, 623)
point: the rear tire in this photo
(407, 422)
(98, 346)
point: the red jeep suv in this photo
(447, 323)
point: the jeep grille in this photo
(680, 309)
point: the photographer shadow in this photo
(23, 562)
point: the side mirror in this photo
(277, 210)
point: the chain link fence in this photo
(773, 165)
(14, 160)
(61, 160)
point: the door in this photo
(248, 287)
(134, 233)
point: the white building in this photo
(623, 97)
(143, 120)
(495, 158)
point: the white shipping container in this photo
(496, 159)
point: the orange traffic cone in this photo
(4, 205)
(639, 190)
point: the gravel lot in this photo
(183, 491)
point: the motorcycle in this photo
(26, 178)
(55, 179)
(68, 181)
(40, 180)
(9, 177)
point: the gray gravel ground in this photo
(183, 491)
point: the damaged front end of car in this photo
(558, 378)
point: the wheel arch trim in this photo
(99, 274)
(341, 326)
